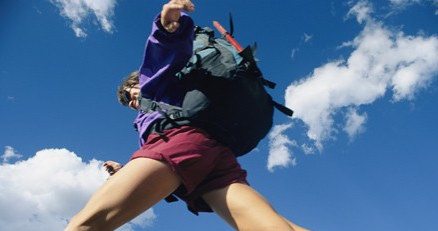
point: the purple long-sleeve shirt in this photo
(165, 54)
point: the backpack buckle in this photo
(153, 106)
(175, 115)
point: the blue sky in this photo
(360, 152)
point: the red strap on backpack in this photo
(227, 36)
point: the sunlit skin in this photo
(143, 182)
(112, 167)
(134, 92)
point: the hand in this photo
(112, 167)
(172, 11)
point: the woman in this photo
(184, 161)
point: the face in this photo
(132, 96)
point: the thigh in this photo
(245, 209)
(133, 189)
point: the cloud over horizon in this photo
(384, 61)
(79, 10)
(45, 190)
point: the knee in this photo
(78, 224)
(74, 225)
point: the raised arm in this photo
(172, 11)
(168, 48)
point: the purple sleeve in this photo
(165, 54)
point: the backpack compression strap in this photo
(173, 116)
(167, 110)
(283, 109)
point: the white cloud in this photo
(279, 153)
(383, 60)
(362, 10)
(44, 191)
(401, 4)
(307, 149)
(143, 220)
(409, 2)
(10, 153)
(307, 37)
(79, 10)
(404, 2)
(354, 123)
(293, 52)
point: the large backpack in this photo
(225, 96)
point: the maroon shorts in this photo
(201, 162)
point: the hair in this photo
(130, 80)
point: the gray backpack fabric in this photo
(225, 96)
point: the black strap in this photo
(268, 83)
(173, 116)
(283, 108)
(231, 25)
(192, 210)
(171, 198)
(148, 105)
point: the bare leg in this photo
(295, 226)
(245, 209)
(135, 188)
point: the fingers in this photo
(110, 163)
(186, 5)
(180, 5)
(112, 167)
(171, 13)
